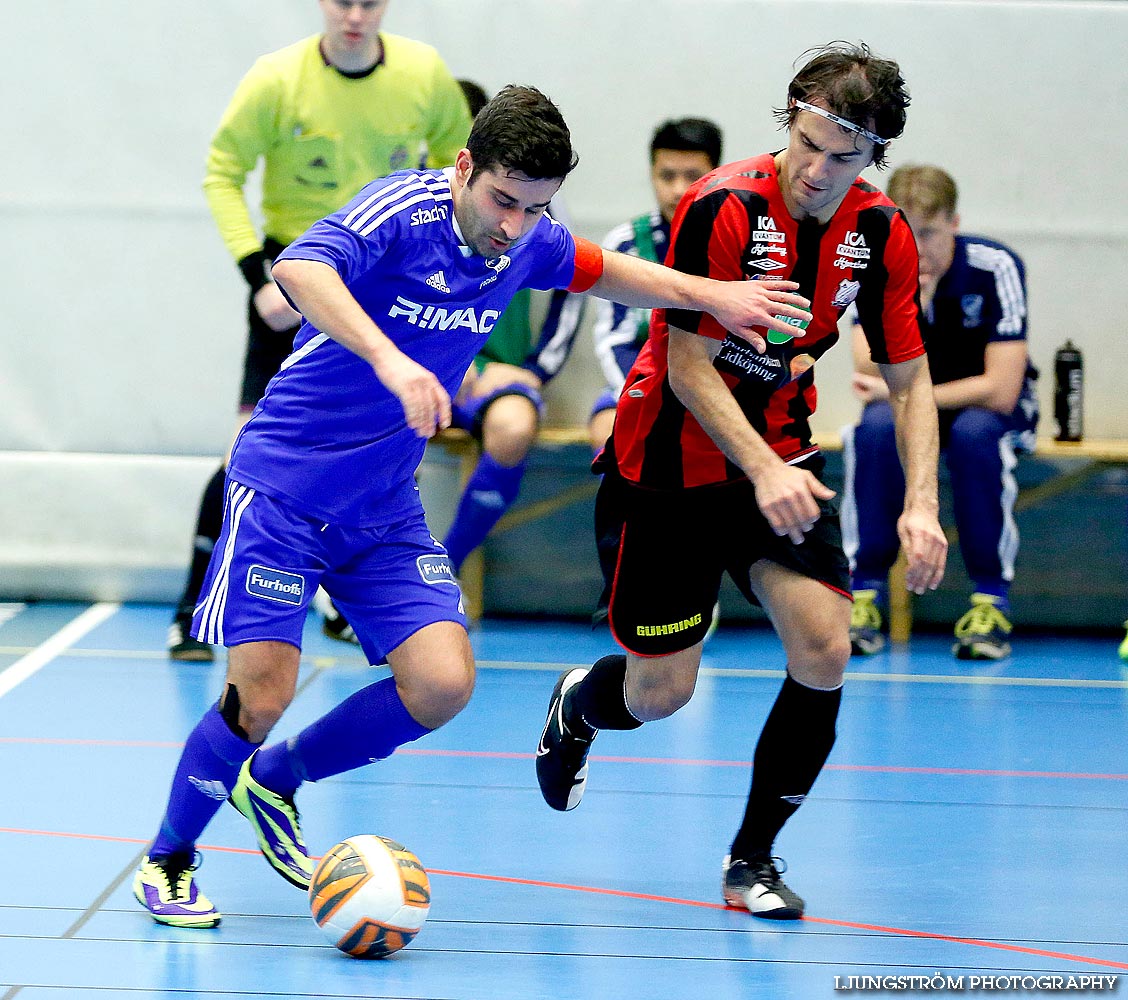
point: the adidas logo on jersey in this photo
(438, 282)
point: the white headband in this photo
(844, 123)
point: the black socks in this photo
(209, 522)
(599, 701)
(794, 745)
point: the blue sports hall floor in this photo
(972, 822)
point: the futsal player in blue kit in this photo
(398, 290)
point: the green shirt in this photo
(323, 135)
(512, 335)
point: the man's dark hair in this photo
(690, 135)
(476, 97)
(521, 129)
(854, 84)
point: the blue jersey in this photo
(328, 436)
(980, 299)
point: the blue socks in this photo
(204, 777)
(489, 494)
(364, 728)
(996, 588)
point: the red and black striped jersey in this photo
(733, 225)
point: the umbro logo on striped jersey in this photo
(438, 282)
(766, 264)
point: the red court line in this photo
(669, 761)
(690, 762)
(116, 840)
(624, 894)
(597, 890)
(1041, 953)
(976, 942)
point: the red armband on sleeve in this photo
(589, 265)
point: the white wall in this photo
(122, 330)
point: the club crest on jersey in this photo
(846, 292)
(275, 585)
(497, 265)
(440, 318)
(436, 569)
(972, 306)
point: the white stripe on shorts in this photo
(214, 604)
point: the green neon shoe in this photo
(166, 888)
(983, 633)
(865, 624)
(276, 824)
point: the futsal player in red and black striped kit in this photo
(711, 467)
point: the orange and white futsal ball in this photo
(370, 896)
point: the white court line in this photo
(9, 611)
(44, 653)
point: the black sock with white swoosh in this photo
(793, 747)
(599, 701)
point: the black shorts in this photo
(266, 348)
(663, 554)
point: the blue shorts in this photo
(389, 581)
(468, 416)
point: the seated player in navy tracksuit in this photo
(973, 310)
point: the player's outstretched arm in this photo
(918, 442)
(318, 292)
(744, 308)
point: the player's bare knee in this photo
(821, 664)
(511, 449)
(453, 690)
(509, 430)
(510, 440)
(665, 703)
(252, 711)
(657, 694)
(441, 695)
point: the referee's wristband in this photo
(256, 270)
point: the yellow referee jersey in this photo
(323, 135)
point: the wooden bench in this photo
(1095, 452)
(467, 450)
